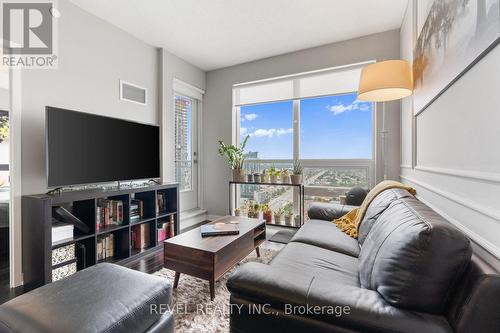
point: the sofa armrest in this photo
(327, 211)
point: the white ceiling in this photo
(219, 33)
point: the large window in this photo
(270, 127)
(314, 118)
(335, 127)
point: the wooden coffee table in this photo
(210, 257)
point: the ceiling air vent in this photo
(133, 93)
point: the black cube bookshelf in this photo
(37, 227)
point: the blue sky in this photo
(333, 127)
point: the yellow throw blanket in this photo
(349, 223)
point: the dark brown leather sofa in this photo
(409, 271)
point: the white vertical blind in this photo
(321, 83)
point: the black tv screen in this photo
(84, 148)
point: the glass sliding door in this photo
(186, 150)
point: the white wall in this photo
(218, 100)
(457, 155)
(93, 57)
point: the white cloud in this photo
(341, 108)
(243, 130)
(271, 132)
(250, 116)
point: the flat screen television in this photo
(85, 148)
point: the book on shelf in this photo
(105, 247)
(161, 203)
(109, 212)
(166, 230)
(136, 209)
(61, 231)
(141, 236)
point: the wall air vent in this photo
(133, 93)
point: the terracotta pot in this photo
(296, 179)
(238, 175)
(268, 216)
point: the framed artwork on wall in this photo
(452, 36)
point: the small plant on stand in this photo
(237, 211)
(297, 173)
(297, 220)
(265, 176)
(288, 212)
(285, 176)
(267, 213)
(273, 173)
(277, 216)
(235, 157)
(253, 210)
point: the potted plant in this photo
(237, 211)
(277, 216)
(253, 210)
(256, 177)
(288, 213)
(296, 176)
(250, 177)
(273, 174)
(264, 177)
(235, 158)
(267, 213)
(285, 176)
(297, 220)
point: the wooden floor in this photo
(147, 264)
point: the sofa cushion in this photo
(413, 257)
(379, 204)
(309, 260)
(325, 234)
(256, 283)
(102, 298)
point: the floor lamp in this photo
(385, 81)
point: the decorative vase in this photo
(296, 179)
(250, 178)
(256, 177)
(285, 179)
(268, 216)
(274, 179)
(238, 175)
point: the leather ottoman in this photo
(102, 298)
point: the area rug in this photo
(192, 307)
